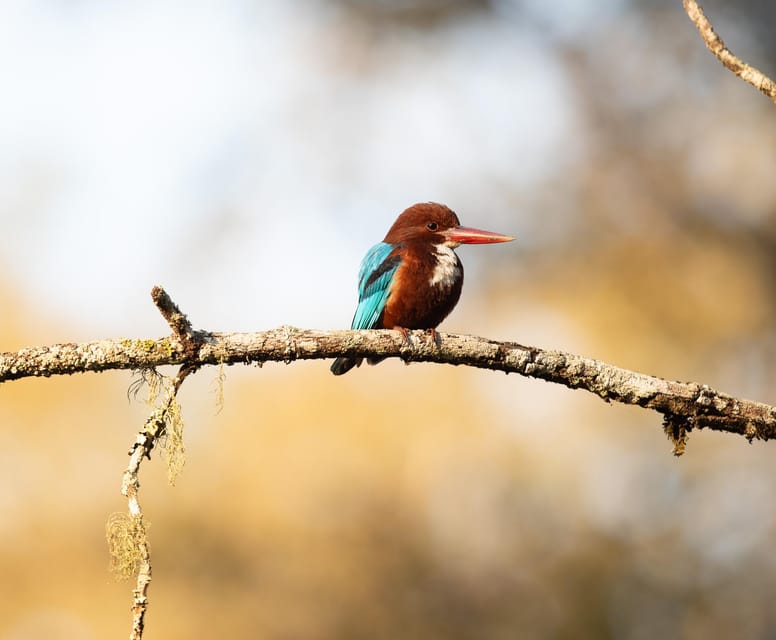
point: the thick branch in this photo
(684, 404)
(749, 74)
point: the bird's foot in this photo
(435, 336)
(405, 334)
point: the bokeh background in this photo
(245, 154)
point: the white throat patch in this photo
(447, 269)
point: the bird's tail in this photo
(343, 365)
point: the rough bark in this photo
(684, 405)
(716, 45)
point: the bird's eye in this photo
(432, 226)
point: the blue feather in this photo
(375, 279)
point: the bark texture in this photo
(684, 405)
(716, 45)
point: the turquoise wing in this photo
(374, 284)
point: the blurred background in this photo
(245, 155)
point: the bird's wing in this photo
(374, 284)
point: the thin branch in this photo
(749, 74)
(154, 428)
(684, 405)
(177, 320)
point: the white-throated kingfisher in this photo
(413, 278)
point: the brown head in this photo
(437, 224)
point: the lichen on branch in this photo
(698, 405)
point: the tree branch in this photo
(749, 74)
(136, 544)
(684, 405)
(127, 534)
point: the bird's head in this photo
(437, 224)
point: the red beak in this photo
(467, 235)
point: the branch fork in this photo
(189, 342)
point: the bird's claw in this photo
(405, 334)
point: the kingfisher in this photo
(413, 278)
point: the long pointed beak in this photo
(468, 235)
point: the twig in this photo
(750, 74)
(153, 429)
(177, 320)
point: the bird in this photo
(413, 278)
